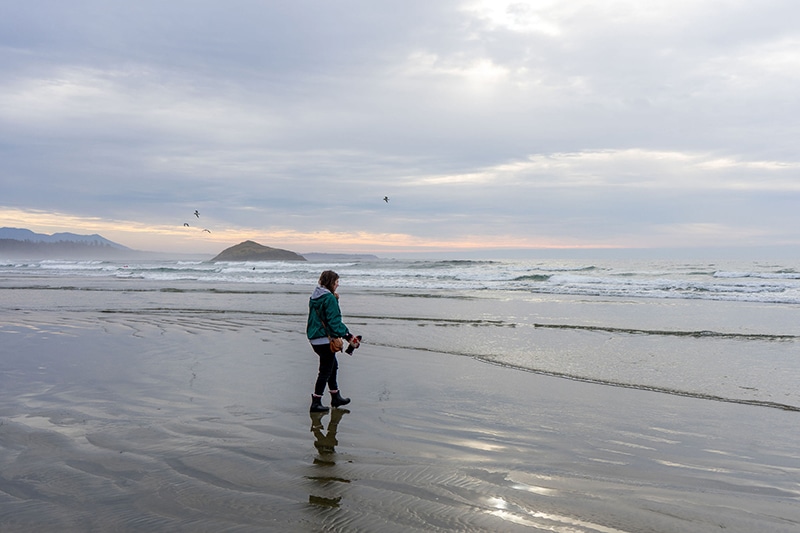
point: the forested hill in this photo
(17, 242)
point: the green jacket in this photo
(323, 303)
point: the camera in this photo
(351, 346)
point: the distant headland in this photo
(18, 242)
(320, 257)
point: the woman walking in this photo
(325, 323)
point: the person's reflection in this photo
(325, 442)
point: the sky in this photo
(489, 125)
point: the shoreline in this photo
(646, 388)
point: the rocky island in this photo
(252, 251)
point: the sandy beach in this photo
(161, 411)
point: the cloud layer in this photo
(489, 124)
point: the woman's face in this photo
(335, 285)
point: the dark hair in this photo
(327, 279)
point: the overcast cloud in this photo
(488, 124)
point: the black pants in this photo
(328, 368)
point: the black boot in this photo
(337, 400)
(316, 405)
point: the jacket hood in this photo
(319, 292)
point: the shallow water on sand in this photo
(745, 352)
(159, 410)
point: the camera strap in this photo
(324, 324)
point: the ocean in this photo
(757, 282)
(725, 331)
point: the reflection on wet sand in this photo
(325, 442)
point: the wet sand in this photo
(157, 419)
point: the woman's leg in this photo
(328, 366)
(332, 381)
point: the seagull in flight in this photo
(386, 199)
(186, 224)
(208, 230)
(196, 213)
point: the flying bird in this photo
(208, 230)
(186, 224)
(196, 213)
(386, 199)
